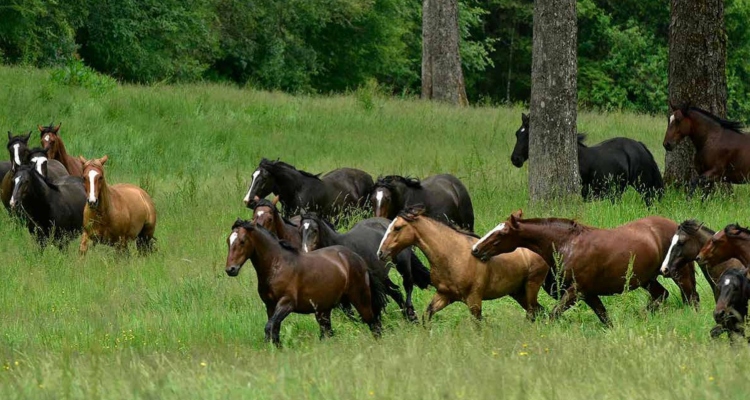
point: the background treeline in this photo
(326, 46)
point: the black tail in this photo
(377, 294)
(419, 273)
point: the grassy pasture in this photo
(173, 325)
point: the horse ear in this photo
(27, 137)
(81, 159)
(275, 200)
(41, 128)
(514, 221)
(525, 118)
(104, 159)
(57, 128)
(518, 214)
(672, 107)
(44, 169)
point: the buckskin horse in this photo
(53, 143)
(593, 262)
(606, 169)
(304, 283)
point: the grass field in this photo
(173, 325)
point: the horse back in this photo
(135, 200)
(56, 170)
(445, 196)
(353, 183)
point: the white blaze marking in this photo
(46, 138)
(726, 281)
(232, 238)
(305, 226)
(12, 198)
(665, 264)
(16, 154)
(379, 198)
(304, 247)
(387, 232)
(39, 161)
(671, 118)
(261, 213)
(252, 183)
(485, 237)
(523, 130)
(92, 175)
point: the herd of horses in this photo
(304, 265)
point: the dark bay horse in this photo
(731, 306)
(363, 239)
(731, 242)
(606, 169)
(595, 262)
(18, 148)
(304, 283)
(722, 150)
(115, 214)
(52, 210)
(38, 158)
(53, 143)
(457, 275)
(443, 196)
(301, 191)
(687, 242)
(267, 215)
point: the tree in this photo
(697, 64)
(442, 77)
(553, 148)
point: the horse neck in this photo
(703, 128)
(436, 240)
(58, 151)
(742, 250)
(105, 201)
(545, 239)
(266, 256)
(327, 235)
(288, 181)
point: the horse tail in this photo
(419, 273)
(650, 176)
(377, 294)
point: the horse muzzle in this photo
(93, 204)
(668, 146)
(233, 270)
(383, 256)
(517, 162)
(478, 254)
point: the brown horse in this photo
(116, 214)
(595, 262)
(18, 147)
(304, 283)
(267, 215)
(722, 151)
(731, 242)
(457, 275)
(691, 236)
(53, 143)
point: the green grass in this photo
(173, 325)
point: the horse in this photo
(363, 238)
(267, 215)
(731, 242)
(593, 262)
(301, 191)
(731, 306)
(18, 147)
(690, 237)
(115, 214)
(457, 275)
(443, 196)
(722, 150)
(52, 210)
(38, 157)
(304, 283)
(606, 169)
(53, 143)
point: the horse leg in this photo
(439, 301)
(595, 303)
(404, 268)
(362, 302)
(569, 297)
(658, 294)
(84, 247)
(393, 291)
(716, 331)
(474, 302)
(685, 279)
(273, 326)
(324, 320)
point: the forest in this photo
(335, 46)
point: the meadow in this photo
(174, 325)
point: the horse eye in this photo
(397, 228)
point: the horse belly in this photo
(504, 278)
(320, 288)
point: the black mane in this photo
(268, 164)
(47, 129)
(692, 227)
(317, 218)
(582, 139)
(735, 226)
(411, 213)
(735, 126)
(569, 223)
(389, 181)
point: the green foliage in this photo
(736, 17)
(76, 73)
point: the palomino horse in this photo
(731, 242)
(607, 168)
(52, 210)
(691, 236)
(304, 283)
(443, 196)
(731, 306)
(53, 143)
(722, 151)
(267, 215)
(115, 214)
(300, 191)
(18, 147)
(595, 262)
(457, 275)
(363, 239)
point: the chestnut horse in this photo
(18, 148)
(267, 215)
(595, 262)
(116, 214)
(722, 150)
(731, 242)
(53, 143)
(304, 283)
(457, 275)
(691, 236)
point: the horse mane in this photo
(269, 204)
(266, 163)
(35, 150)
(411, 213)
(317, 218)
(692, 227)
(572, 224)
(736, 226)
(44, 179)
(582, 139)
(735, 126)
(389, 181)
(47, 129)
(249, 225)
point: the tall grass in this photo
(173, 325)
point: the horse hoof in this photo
(411, 316)
(716, 332)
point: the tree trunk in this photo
(442, 77)
(553, 147)
(697, 64)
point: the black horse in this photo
(731, 307)
(300, 191)
(52, 210)
(607, 168)
(364, 239)
(444, 196)
(18, 148)
(37, 157)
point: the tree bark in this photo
(442, 77)
(553, 146)
(697, 72)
